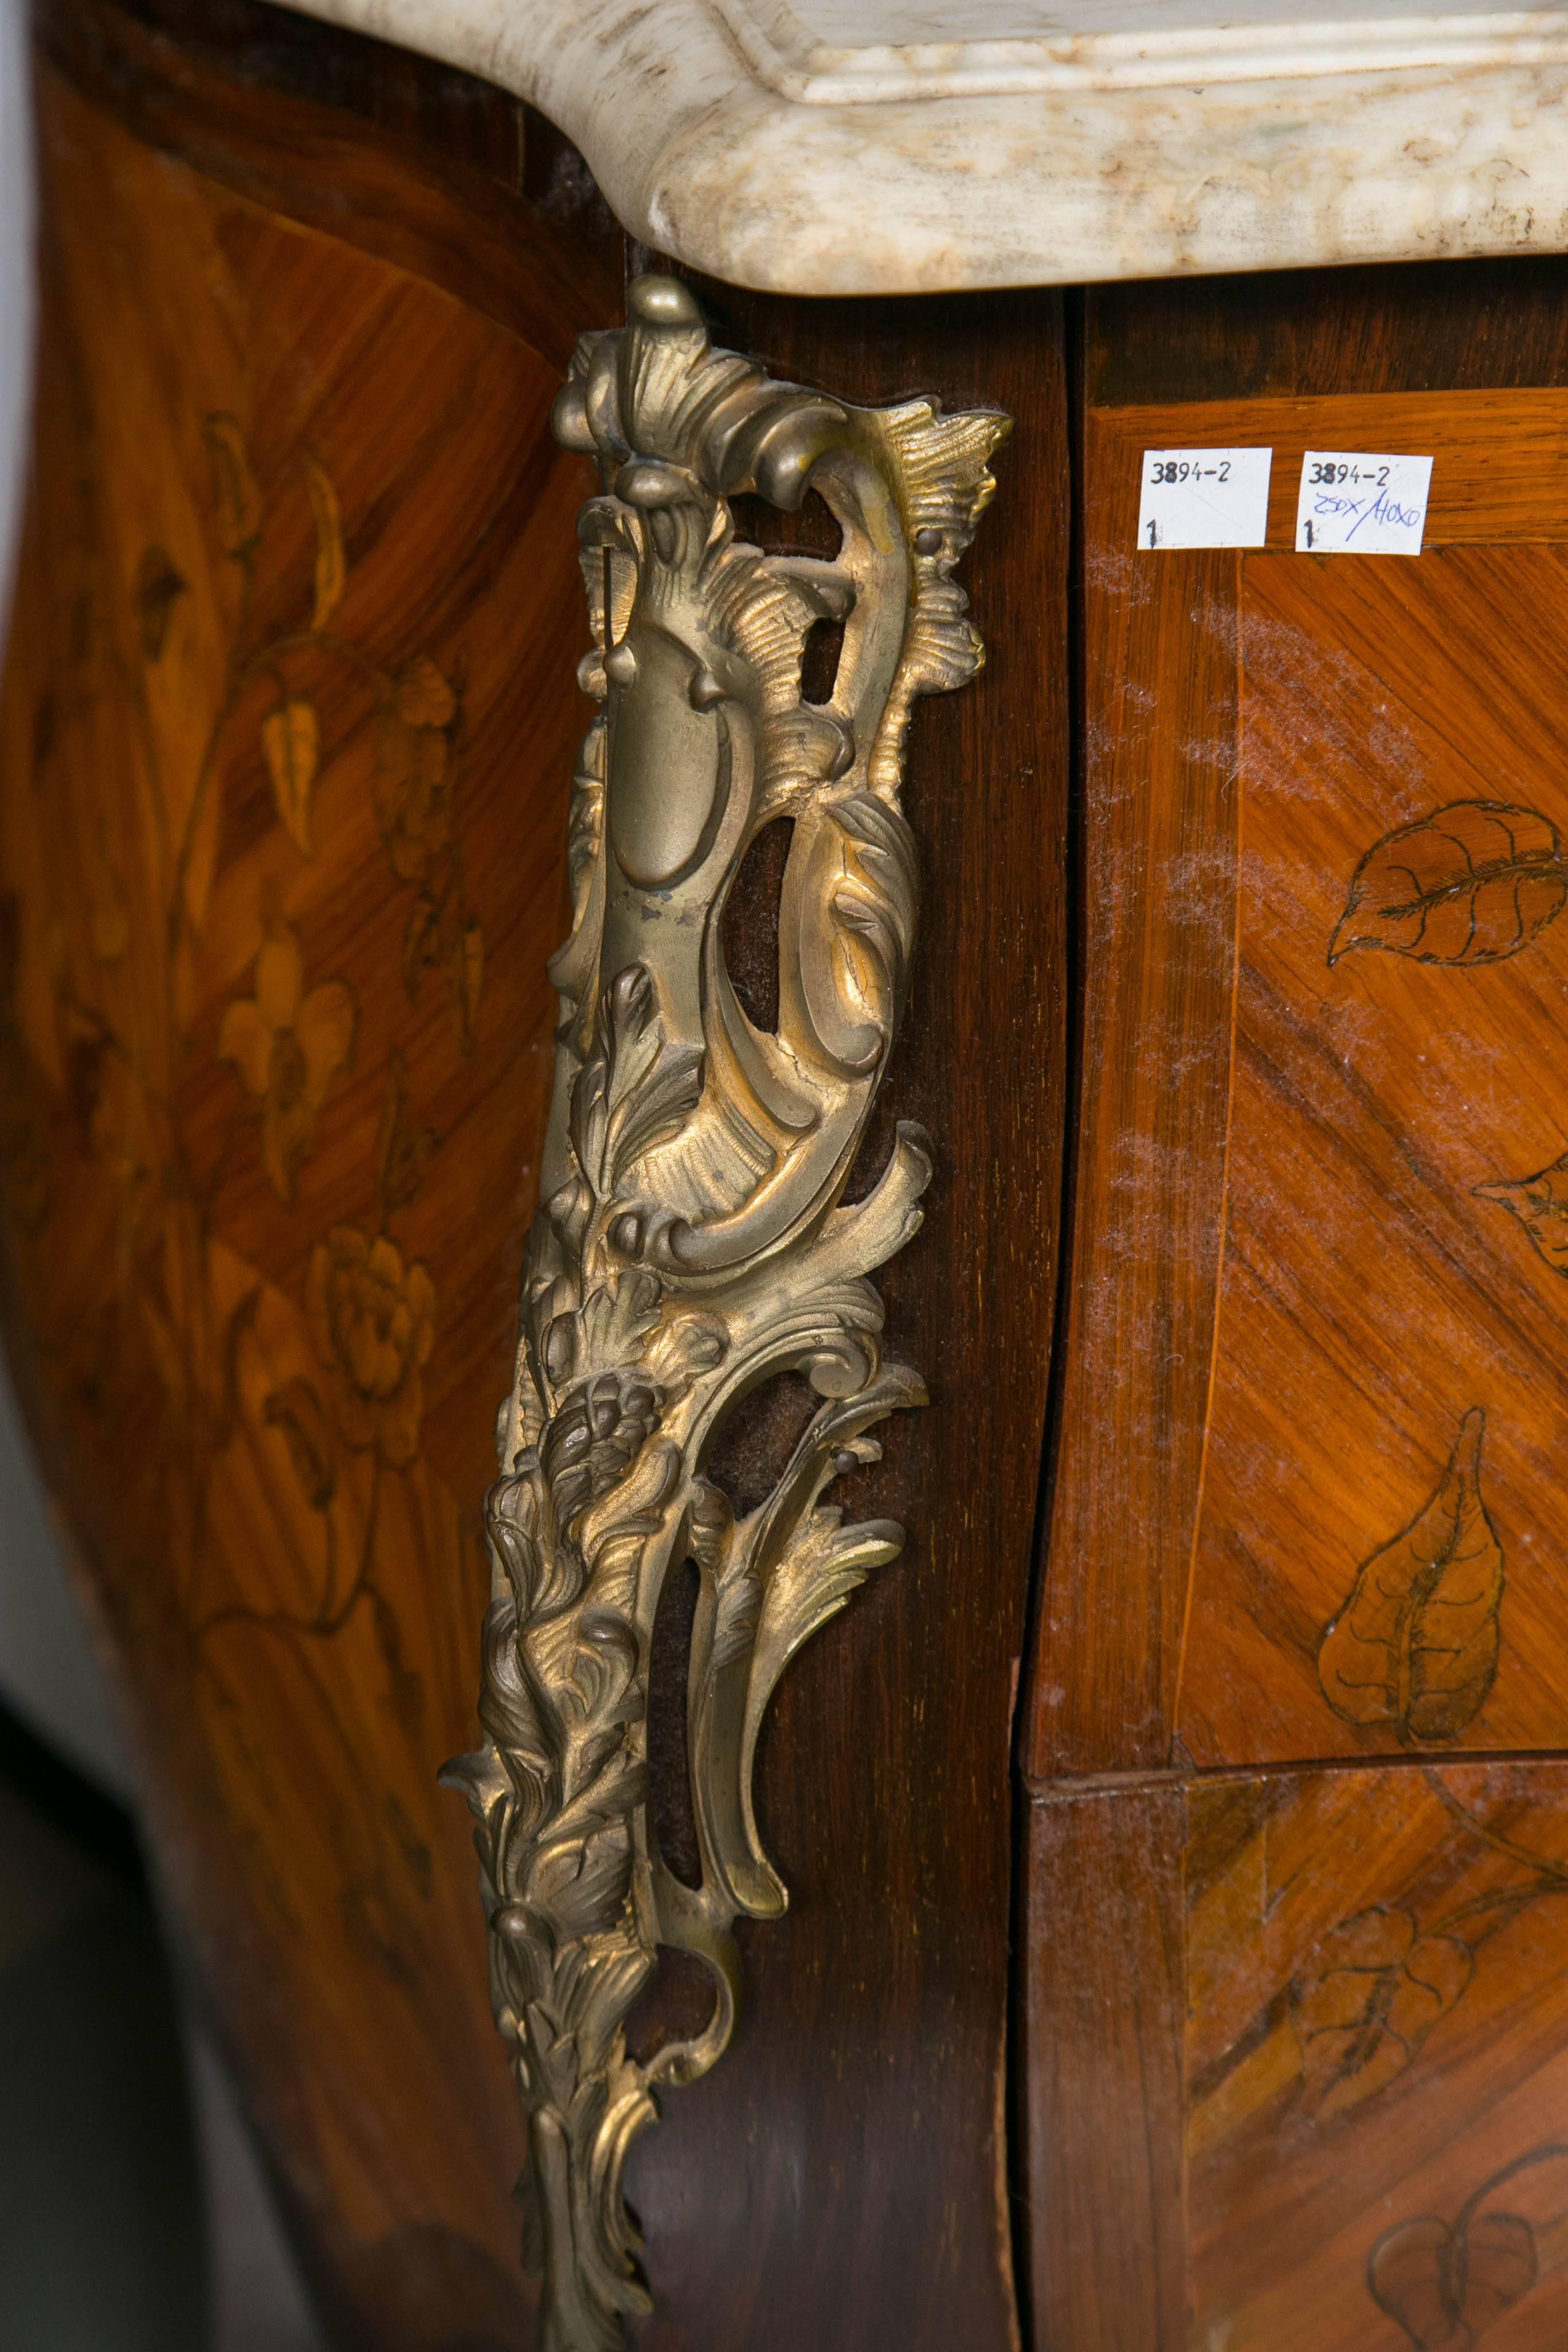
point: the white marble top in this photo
(886, 146)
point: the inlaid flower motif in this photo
(373, 1322)
(286, 1045)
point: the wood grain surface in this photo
(1306, 1501)
(1323, 1116)
(1105, 1974)
(1303, 2085)
(1378, 2034)
(287, 734)
(1390, 1265)
(426, 168)
(287, 737)
(1439, 326)
(1156, 956)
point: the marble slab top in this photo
(898, 146)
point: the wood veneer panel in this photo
(1373, 1296)
(1324, 692)
(375, 147)
(1444, 326)
(1359, 2144)
(1156, 947)
(1302, 2041)
(1377, 2037)
(286, 742)
(1104, 1989)
(1499, 457)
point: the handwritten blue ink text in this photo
(1383, 509)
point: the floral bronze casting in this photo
(691, 1243)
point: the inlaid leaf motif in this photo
(1446, 2283)
(1472, 883)
(1541, 1204)
(421, 695)
(1445, 2287)
(411, 779)
(291, 743)
(295, 1410)
(238, 500)
(1415, 1645)
(1365, 2003)
(402, 1149)
(331, 569)
(421, 943)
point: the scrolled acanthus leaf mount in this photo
(691, 1241)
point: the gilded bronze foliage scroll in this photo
(692, 1242)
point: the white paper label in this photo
(1352, 504)
(1205, 498)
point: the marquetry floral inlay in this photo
(373, 1322)
(288, 1043)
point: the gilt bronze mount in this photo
(692, 1242)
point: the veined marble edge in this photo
(819, 73)
(701, 160)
